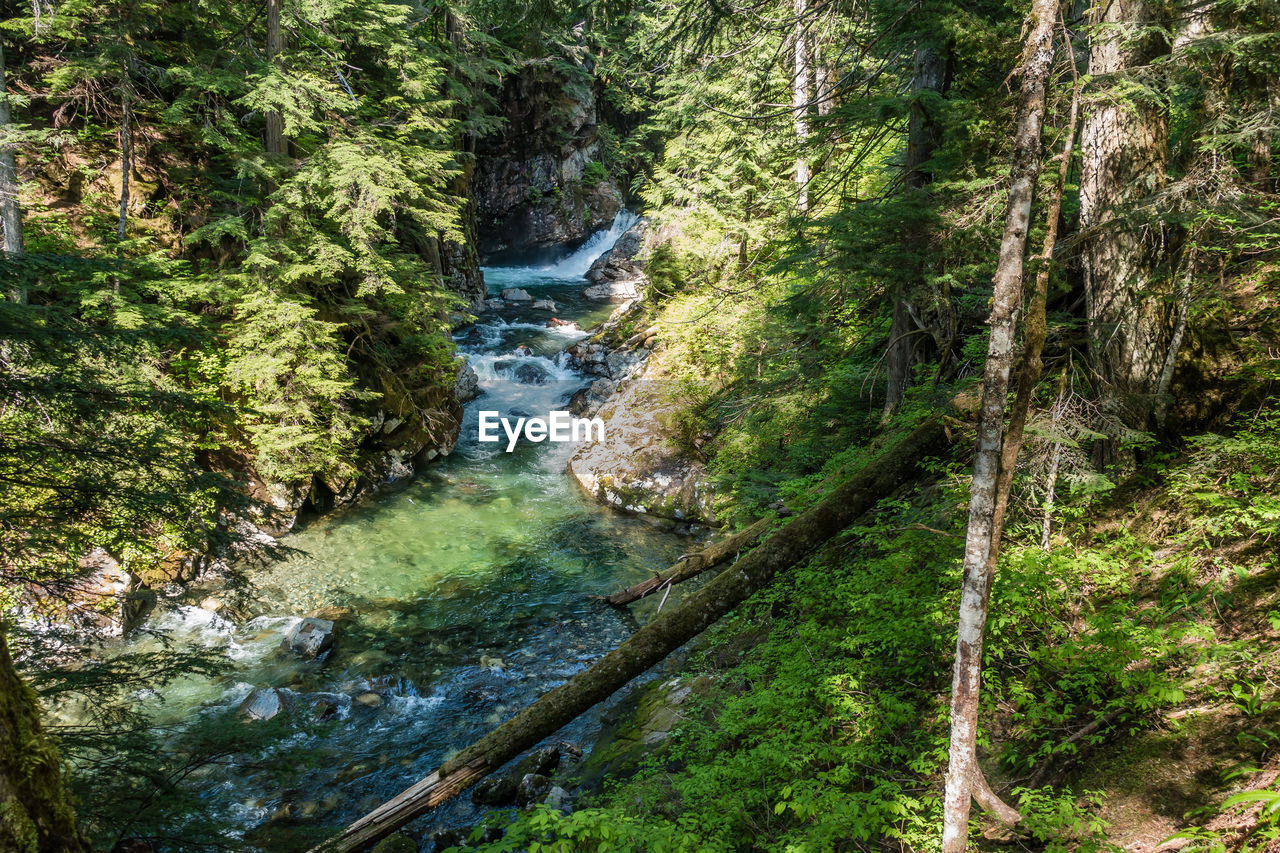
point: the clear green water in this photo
(468, 593)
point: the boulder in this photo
(543, 305)
(620, 261)
(494, 303)
(310, 638)
(533, 788)
(516, 294)
(615, 291)
(557, 798)
(263, 703)
(531, 373)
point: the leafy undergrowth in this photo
(1128, 689)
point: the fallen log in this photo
(692, 565)
(787, 546)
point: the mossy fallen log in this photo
(692, 565)
(784, 548)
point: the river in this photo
(468, 589)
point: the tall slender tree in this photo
(10, 204)
(964, 776)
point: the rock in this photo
(620, 261)
(495, 791)
(587, 401)
(532, 186)
(615, 291)
(467, 386)
(533, 788)
(263, 703)
(333, 612)
(516, 294)
(543, 305)
(557, 323)
(557, 798)
(213, 605)
(637, 468)
(310, 638)
(397, 843)
(494, 303)
(531, 373)
(369, 699)
(501, 789)
(636, 728)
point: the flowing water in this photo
(468, 593)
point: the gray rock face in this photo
(310, 638)
(533, 187)
(516, 294)
(262, 704)
(543, 305)
(467, 387)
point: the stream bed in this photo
(464, 595)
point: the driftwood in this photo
(784, 548)
(692, 565)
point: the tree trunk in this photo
(923, 138)
(35, 812)
(126, 164)
(963, 770)
(1124, 149)
(800, 104)
(10, 205)
(275, 46)
(786, 547)
(692, 565)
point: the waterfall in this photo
(576, 264)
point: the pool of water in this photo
(465, 594)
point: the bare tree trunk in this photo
(10, 205)
(792, 543)
(35, 812)
(275, 46)
(692, 565)
(800, 104)
(1124, 150)
(963, 771)
(126, 164)
(923, 137)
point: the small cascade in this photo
(576, 264)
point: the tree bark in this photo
(923, 137)
(800, 104)
(787, 546)
(126, 163)
(10, 205)
(275, 46)
(35, 811)
(963, 770)
(692, 565)
(1124, 152)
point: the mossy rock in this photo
(396, 844)
(637, 728)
